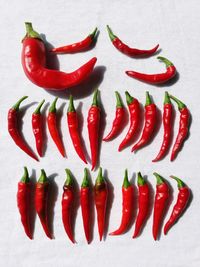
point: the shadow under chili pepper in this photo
(33, 181)
(59, 118)
(92, 208)
(44, 127)
(171, 82)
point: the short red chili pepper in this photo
(37, 127)
(125, 49)
(143, 204)
(13, 129)
(34, 64)
(53, 129)
(72, 121)
(158, 77)
(93, 123)
(67, 205)
(127, 206)
(183, 127)
(41, 202)
(149, 125)
(134, 111)
(167, 124)
(77, 47)
(23, 202)
(161, 198)
(100, 198)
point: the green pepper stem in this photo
(148, 99)
(126, 182)
(181, 184)
(69, 179)
(95, 102)
(140, 180)
(180, 104)
(53, 106)
(25, 178)
(16, 106)
(129, 98)
(92, 35)
(37, 111)
(111, 34)
(166, 61)
(99, 179)
(30, 32)
(85, 182)
(71, 107)
(43, 177)
(160, 179)
(118, 100)
(167, 99)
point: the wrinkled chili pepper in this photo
(23, 202)
(161, 198)
(127, 206)
(100, 199)
(134, 111)
(158, 77)
(125, 49)
(183, 127)
(181, 203)
(13, 129)
(149, 125)
(34, 64)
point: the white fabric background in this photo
(143, 24)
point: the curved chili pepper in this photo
(150, 123)
(72, 120)
(127, 206)
(23, 202)
(34, 65)
(143, 204)
(41, 202)
(183, 127)
(118, 120)
(167, 123)
(67, 203)
(77, 47)
(100, 198)
(161, 198)
(125, 49)
(14, 132)
(38, 128)
(93, 122)
(134, 111)
(158, 77)
(52, 126)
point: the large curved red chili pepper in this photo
(155, 78)
(34, 64)
(125, 49)
(14, 132)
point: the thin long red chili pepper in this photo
(118, 120)
(23, 202)
(77, 47)
(149, 125)
(37, 127)
(161, 198)
(34, 64)
(134, 113)
(72, 121)
(125, 49)
(127, 206)
(67, 204)
(100, 198)
(41, 202)
(158, 77)
(167, 124)
(143, 204)
(183, 127)
(53, 129)
(13, 129)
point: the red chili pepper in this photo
(77, 47)
(183, 127)
(134, 111)
(23, 202)
(161, 198)
(41, 202)
(93, 122)
(143, 204)
(127, 206)
(158, 77)
(34, 65)
(118, 121)
(52, 126)
(72, 120)
(125, 49)
(14, 132)
(150, 123)
(38, 128)
(181, 203)
(67, 203)
(100, 198)
(167, 123)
